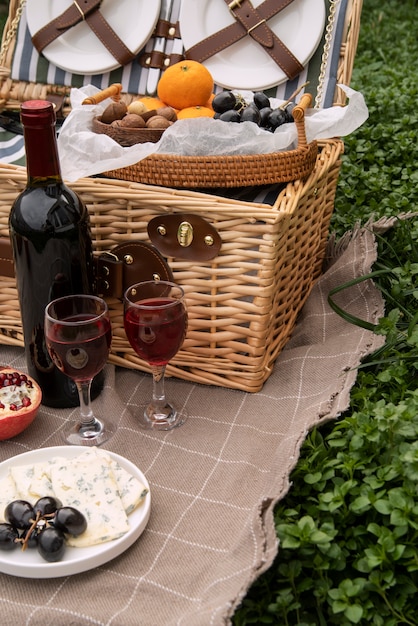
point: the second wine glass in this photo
(155, 319)
(78, 337)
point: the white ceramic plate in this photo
(245, 64)
(79, 50)
(29, 564)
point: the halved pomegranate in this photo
(20, 397)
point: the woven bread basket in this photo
(194, 172)
(124, 136)
(127, 136)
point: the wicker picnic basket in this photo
(243, 303)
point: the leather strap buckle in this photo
(126, 264)
(89, 13)
(234, 4)
(79, 9)
(249, 30)
(251, 22)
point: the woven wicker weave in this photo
(226, 171)
(243, 304)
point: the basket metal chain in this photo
(325, 54)
(11, 32)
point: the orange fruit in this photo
(208, 104)
(185, 84)
(197, 111)
(151, 102)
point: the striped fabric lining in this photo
(29, 66)
(12, 148)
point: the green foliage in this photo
(349, 533)
(348, 528)
(379, 174)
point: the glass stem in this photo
(158, 391)
(86, 412)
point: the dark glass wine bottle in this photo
(52, 248)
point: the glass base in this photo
(164, 417)
(93, 434)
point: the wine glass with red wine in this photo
(78, 336)
(155, 319)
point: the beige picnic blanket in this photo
(215, 480)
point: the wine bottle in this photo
(52, 248)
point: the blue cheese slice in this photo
(8, 493)
(32, 481)
(131, 490)
(90, 486)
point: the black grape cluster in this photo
(43, 526)
(231, 107)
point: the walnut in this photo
(167, 112)
(132, 120)
(158, 122)
(147, 114)
(115, 111)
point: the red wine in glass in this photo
(80, 357)
(157, 329)
(155, 319)
(78, 337)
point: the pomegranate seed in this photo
(13, 407)
(2, 405)
(26, 401)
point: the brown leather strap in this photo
(84, 10)
(167, 30)
(115, 271)
(7, 267)
(185, 236)
(126, 264)
(159, 60)
(253, 22)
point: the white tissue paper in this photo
(85, 153)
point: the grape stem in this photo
(34, 523)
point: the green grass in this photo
(348, 529)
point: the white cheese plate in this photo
(29, 564)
